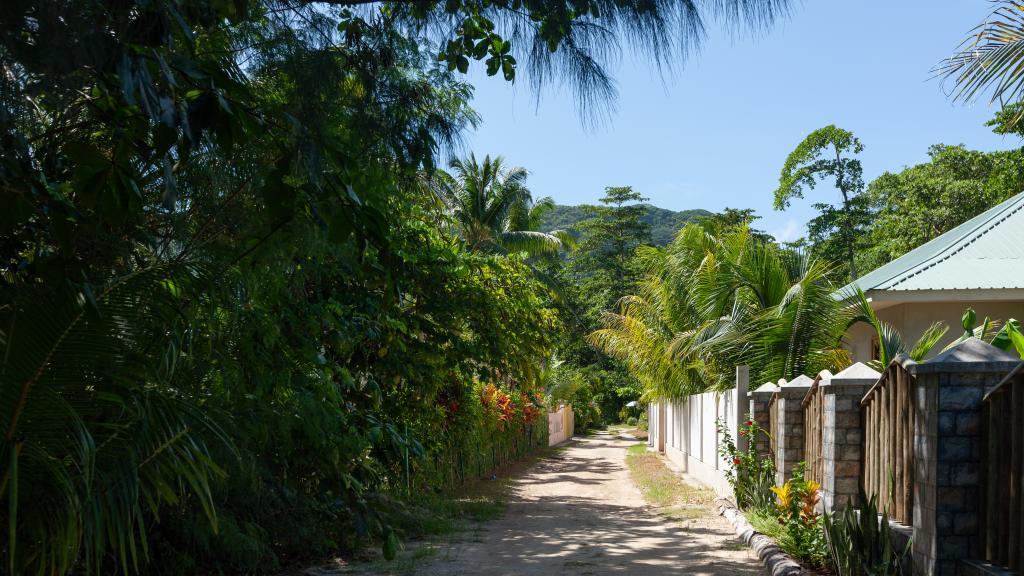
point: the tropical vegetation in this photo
(237, 317)
(709, 302)
(246, 312)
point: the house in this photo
(979, 264)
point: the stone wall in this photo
(842, 448)
(949, 453)
(789, 435)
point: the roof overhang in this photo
(880, 299)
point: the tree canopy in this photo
(828, 153)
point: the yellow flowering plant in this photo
(797, 510)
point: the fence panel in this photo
(1003, 517)
(888, 410)
(813, 426)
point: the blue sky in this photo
(716, 133)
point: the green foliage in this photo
(860, 544)
(858, 309)
(230, 320)
(228, 315)
(796, 512)
(828, 153)
(494, 210)
(589, 282)
(710, 303)
(1006, 120)
(664, 224)
(1007, 337)
(751, 476)
(566, 384)
(989, 59)
(924, 201)
(603, 264)
(732, 219)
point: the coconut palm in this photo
(709, 303)
(494, 211)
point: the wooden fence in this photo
(888, 473)
(1002, 522)
(813, 426)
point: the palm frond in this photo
(924, 345)
(97, 437)
(990, 59)
(533, 243)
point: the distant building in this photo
(979, 264)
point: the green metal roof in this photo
(986, 252)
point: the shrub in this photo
(796, 508)
(751, 477)
(861, 545)
(631, 421)
(642, 423)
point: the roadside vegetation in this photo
(251, 320)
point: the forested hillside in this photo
(664, 223)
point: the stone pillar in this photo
(789, 437)
(949, 452)
(759, 399)
(842, 434)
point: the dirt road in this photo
(579, 513)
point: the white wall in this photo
(560, 425)
(690, 432)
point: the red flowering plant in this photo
(489, 398)
(499, 406)
(531, 410)
(751, 476)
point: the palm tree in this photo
(99, 431)
(991, 57)
(709, 303)
(494, 211)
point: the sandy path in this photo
(579, 513)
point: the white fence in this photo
(560, 425)
(686, 430)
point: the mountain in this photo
(664, 223)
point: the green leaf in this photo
(390, 544)
(968, 320)
(1018, 340)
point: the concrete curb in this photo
(773, 558)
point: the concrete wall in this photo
(912, 319)
(561, 424)
(688, 434)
